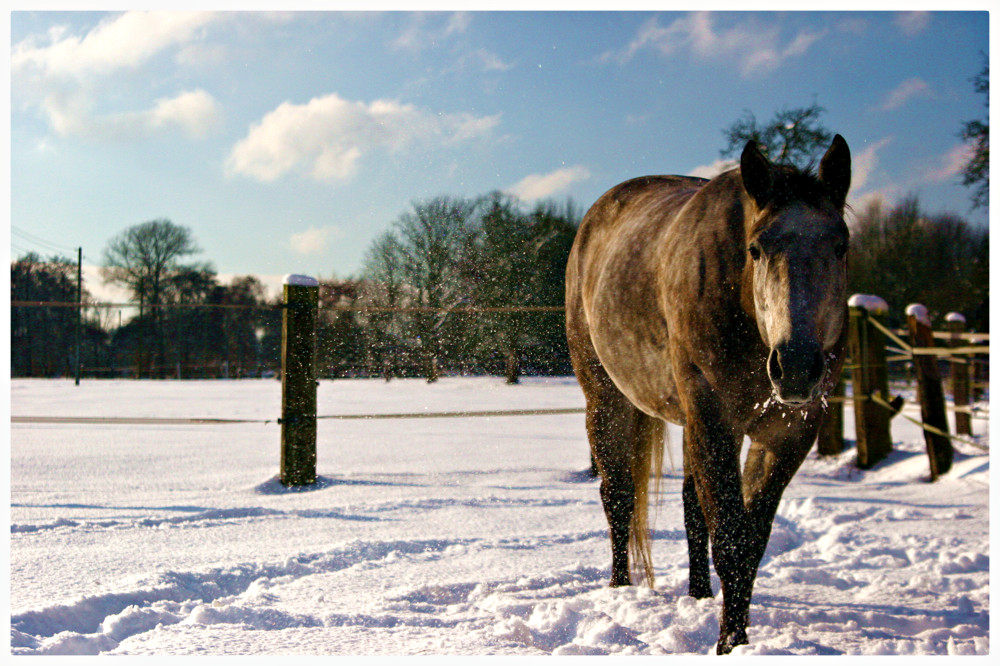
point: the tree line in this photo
(193, 327)
(455, 285)
(442, 291)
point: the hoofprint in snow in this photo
(452, 536)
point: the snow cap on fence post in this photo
(919, 312)
(297, 280)
(873, 304)
(955, 316)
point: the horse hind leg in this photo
(624, 442)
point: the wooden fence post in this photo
(980, 376)
(298, 381)
(959, 375)
(929, 391)
(870, 377)
(831, 431)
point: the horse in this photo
(718, 305)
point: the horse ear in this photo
(835, 171)
(755, 171)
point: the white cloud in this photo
(436, 29)
(864, 163)
(65, 75)
(326, 137)
(426, 29)
(912, 23)
(195, 112)
(904, 92)
(312, 241)
(951, 163)
(541, 185)
(885, 197)
(123, 42)
(490, 61)
(478, 60)
(201, 55)
(458, 22)
(755, 48)
(467, 126)
(714, 169)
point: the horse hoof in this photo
(728, 642)
(700, 592)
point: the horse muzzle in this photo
(796, 369)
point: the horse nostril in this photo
(816, 371)
(774, 365)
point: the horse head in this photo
(796, 271)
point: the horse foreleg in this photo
(736, 553)
(765, 475)
(739, 543)
(712, 459)
(767, 471)
(699, 581)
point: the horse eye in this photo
(840, 249)
(754, 251)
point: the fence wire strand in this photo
(878, 400)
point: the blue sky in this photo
(287, 141)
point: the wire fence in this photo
(233, 347)
(236, 340)
(244, 339)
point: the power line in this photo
(37, 240)
(21, 249)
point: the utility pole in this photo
(79, 308)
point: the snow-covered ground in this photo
(453, 536)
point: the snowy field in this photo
(445, 536)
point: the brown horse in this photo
(718, 305)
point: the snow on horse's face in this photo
(797, 253)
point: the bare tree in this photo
(141, 259)
(977, 172)
(500, 269)
(793, 136)
(383, 288)
(433, 239)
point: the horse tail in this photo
(647, 459)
